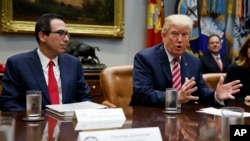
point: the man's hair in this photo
(43, 24)
(214, 35)
(177, 19)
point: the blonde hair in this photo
(177, 19)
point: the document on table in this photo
(69, 109)
(215, 111)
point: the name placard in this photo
(90, 119)
(135, 134)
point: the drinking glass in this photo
(34, 104)
(171, 101)
(230, 116)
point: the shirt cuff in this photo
(179, 106)
(216, 99)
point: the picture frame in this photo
(9, 25)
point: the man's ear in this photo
(42, 36)
(163, 35)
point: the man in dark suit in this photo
(213, 62)
(152, 70)
(29, 71)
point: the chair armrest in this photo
(109, 104)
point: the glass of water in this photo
(230, 116)
(33, 104)
(171, 101)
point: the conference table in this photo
(189, 125)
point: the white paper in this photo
(68, 109)
(134, 134)
(215, 111)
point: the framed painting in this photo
(99, 18)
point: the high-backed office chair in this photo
(212, 79)
(117, 86)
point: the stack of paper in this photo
(69, 109)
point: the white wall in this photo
(112, 51)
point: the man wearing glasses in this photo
(30, 70)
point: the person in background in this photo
(29, 71)
(213, 62)
(240, 70)
(152, 70)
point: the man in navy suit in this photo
(29, 71)
(152, 70)
(209, 61)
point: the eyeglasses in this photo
(61, 33)
(176, 34)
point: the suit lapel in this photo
(212, 60)
(184, 68)
(36, 67)
(64, 71)
(164, 62)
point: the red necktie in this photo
(52, 85)
(176, 74)
(219, 63)
(54, 97)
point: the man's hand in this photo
(184, 95)
(226, 91)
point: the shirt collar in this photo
(45, 60)
(215, 56)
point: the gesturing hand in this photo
(187, 89)
(226, 91)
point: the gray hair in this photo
(177, 19)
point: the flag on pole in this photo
(211, 21)
(240, 24)
(230, 29)
(155, 20)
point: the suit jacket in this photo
(209, 65)
(24, 72)
(152, 75)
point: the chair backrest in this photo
(116, 83)
(212, 79)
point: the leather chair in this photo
(117, 86)
(212, 79)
